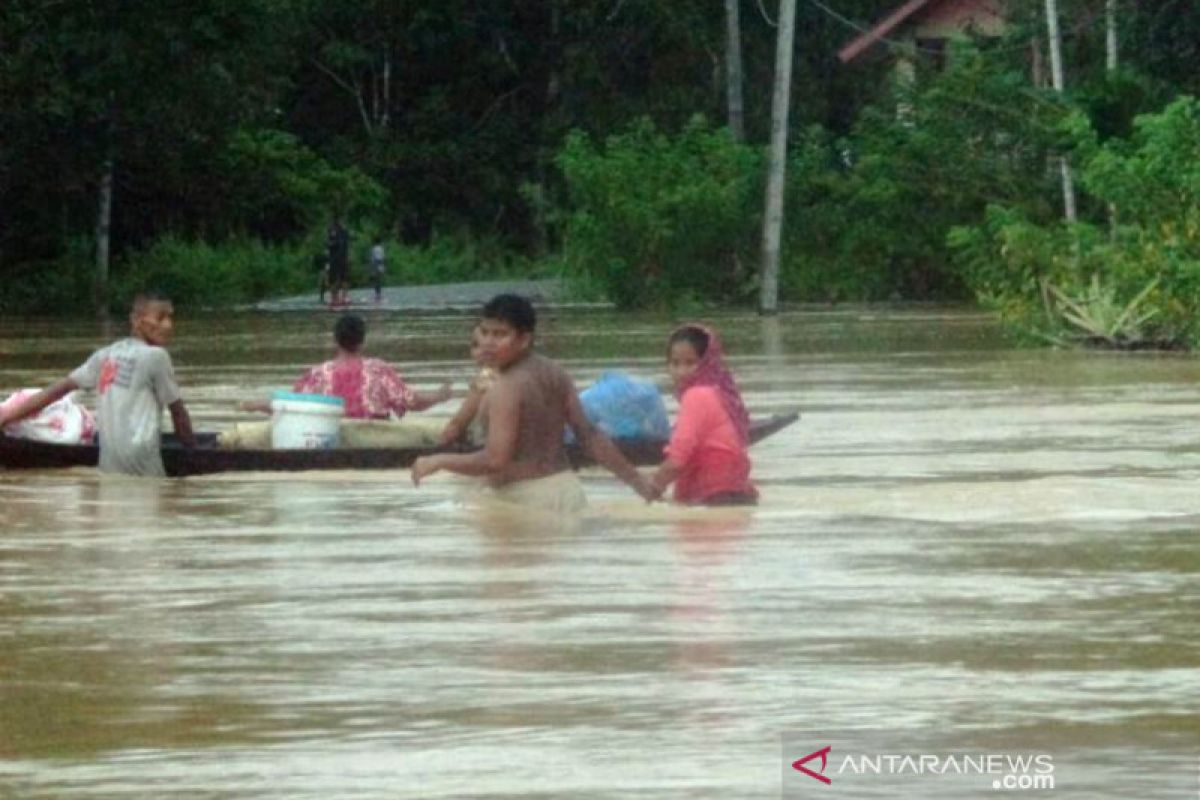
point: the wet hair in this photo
(694, 336)
(512, 309)
(350, 332)
(145, 298)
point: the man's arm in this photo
(504, 408)
(35, 403)
(423, 400)
(457, 425)
(605, 452)
(183, 423)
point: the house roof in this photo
(935, 19)
(888, 24)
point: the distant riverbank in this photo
(440, 297)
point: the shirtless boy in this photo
(531, 401)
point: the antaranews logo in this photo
(823, 754)
(867, 758)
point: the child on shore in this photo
(134, 380)
(377, 268)
(707, 457)
(524, 459)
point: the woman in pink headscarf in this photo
(707, 456)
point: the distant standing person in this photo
(377, 268)
(337, 245)
(134, 380)
(321, 265)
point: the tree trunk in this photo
(537, 198)
(104, 220)
(1110, 39)
(773, 219)
(733, 71)
(1056, 77)
(1110, 42)
(1037, 67)
(385, 119)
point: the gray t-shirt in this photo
(133, 382)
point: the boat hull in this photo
(206, 458)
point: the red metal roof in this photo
(882, 29)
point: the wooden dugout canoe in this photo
(206, 458)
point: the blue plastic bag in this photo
(626, 408)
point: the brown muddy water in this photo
(963, 551)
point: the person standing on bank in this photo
(321, 267)
(134, 380)
(337, 246)
(377, 268)
(528, 406)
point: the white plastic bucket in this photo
(305, 421)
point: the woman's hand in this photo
(649, 489)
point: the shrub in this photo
(652, 217)
(868, 215)
(197, 274)
(1148, 262)
(52, 286)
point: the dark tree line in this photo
(259, 118)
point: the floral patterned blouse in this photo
(371, 388)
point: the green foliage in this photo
(448, 259)
(1048, 278)
(274, 185)
(1098, 316)
(196, 274)
(653, 216)
(440, 125)
(1154, 178)
(868, 214)
(56, 286)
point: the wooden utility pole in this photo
(1110, 39)
(1110, 48)
(733, 71)
(104, 200)
(1056, 78)
(768, 302)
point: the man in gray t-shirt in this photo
(134, 380)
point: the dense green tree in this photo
(153, 89)
(442, 124)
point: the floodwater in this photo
(963, 550)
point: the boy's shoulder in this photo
(537, 364)
(130, 344)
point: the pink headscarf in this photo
(712, 371)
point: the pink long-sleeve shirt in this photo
(705, 446)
